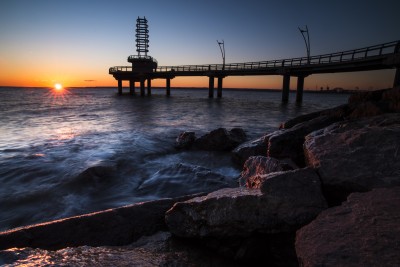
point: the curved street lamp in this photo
(306, 41)
(222, 48)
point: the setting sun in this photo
(58, 86)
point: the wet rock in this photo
(93, 177)
(185, 140)
(255, 168)
(114, 227)
(338, 112)
(291, 200)
(363, 231)
(159, 249)
(288, 143)
(299, 119)
(256, 147)
(237, 135)
(356, 156)
(221, 139)
(183, 179)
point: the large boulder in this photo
(339, 112)
(221, 139)
(356, 156)
(185, 140)
(292, 199)
(368, 104)
(255, 168)
(250, 226)
(363, 231)
(183, 179)
(368, 96)
(113, 227)
(257, 147)
(288, 143)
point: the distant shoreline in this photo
(332, 91)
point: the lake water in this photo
(48, 142)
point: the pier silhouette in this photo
(145, 68)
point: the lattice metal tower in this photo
(142, 37)
(142, 62)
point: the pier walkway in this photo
(145, 68)
(382, 56)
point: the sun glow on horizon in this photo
(58, 93)
(58, 87)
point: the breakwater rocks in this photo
(217, 140)
(323, 190)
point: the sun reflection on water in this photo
(65, 133)
(58, 94)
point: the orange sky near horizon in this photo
(46, 76)
(75, 42)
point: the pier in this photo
(144, 68)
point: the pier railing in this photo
(332, 58)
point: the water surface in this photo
(48, 142)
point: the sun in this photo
(58, 87)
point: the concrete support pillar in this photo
(120, 87)
(149, 87)
(300, 87)
(397, 77)
(142, 90)
(131, 87)
(285, 88)
(211, 87)
(168, 86)
(219, 90)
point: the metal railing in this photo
(133, 57)
(333, 58)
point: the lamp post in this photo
(222, 48)
(306, 41)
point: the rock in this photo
(159, 249)
(183, 179)
(93, 177)
(221, 139)
(363, 97)
(288, 143)
(256, 147)
(292, 200)
(302, 184)
(299, 119)
(237, 135)
(185, 140)
(367, 109)
(339, 112)
(363, 231)
(392, 99)
(114, 227)
(250, 226)
(367, 104)
(258, 166)
(356, 156)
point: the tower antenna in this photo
(142, 37)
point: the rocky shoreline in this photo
(323, 190)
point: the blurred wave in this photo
(91, 149)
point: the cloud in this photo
(89, 80)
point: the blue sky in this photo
(73, 41)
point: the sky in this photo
(74, 42)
